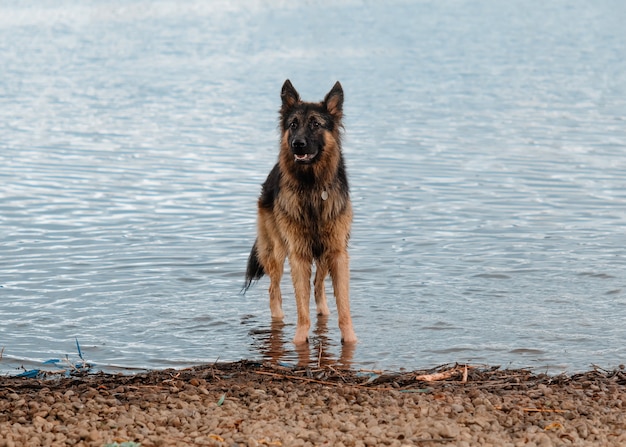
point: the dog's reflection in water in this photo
(276, 346)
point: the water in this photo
(486, 150)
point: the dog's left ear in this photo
(334, 100)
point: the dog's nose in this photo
(298, 143)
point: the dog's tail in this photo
(255, 270)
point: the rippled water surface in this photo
(485, 144)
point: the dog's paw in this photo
(323, 311)
(300, 341)
(301, 337)
(278, 315)
(349, 338)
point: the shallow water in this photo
(485, 145)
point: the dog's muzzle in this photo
(302, 153)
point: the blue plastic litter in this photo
(51, 362)
(80, 353)
(30, 374)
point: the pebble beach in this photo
(256, 404)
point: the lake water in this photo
(486, 148)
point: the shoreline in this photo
(254, 404)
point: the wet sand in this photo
(252, 404)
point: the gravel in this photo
(250, 404)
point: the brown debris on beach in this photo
(253, 404)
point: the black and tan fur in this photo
(305, 213)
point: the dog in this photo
(305, 212)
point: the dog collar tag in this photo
(324, 195)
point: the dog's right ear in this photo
(289, 95)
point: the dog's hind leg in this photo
(271, 254)
(321, 271)
(301, 276)
(340, 275)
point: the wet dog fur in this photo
(305, 212)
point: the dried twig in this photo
(443, 375)
(304, 379)
(436, 440)
(319, 356)
(321, 382)
(543, 410)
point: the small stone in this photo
(94, 436)
(457, 408)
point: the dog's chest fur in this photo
(310, 207)
(310, 214)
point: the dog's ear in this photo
(289, 95)
(334, 100)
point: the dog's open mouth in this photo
(304, 158)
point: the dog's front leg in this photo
(301, 276)
(340, 275)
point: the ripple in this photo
(487, 180)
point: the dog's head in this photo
(309, 128)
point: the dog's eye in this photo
(294, 124)
(315, 124)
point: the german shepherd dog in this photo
(305, 212)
